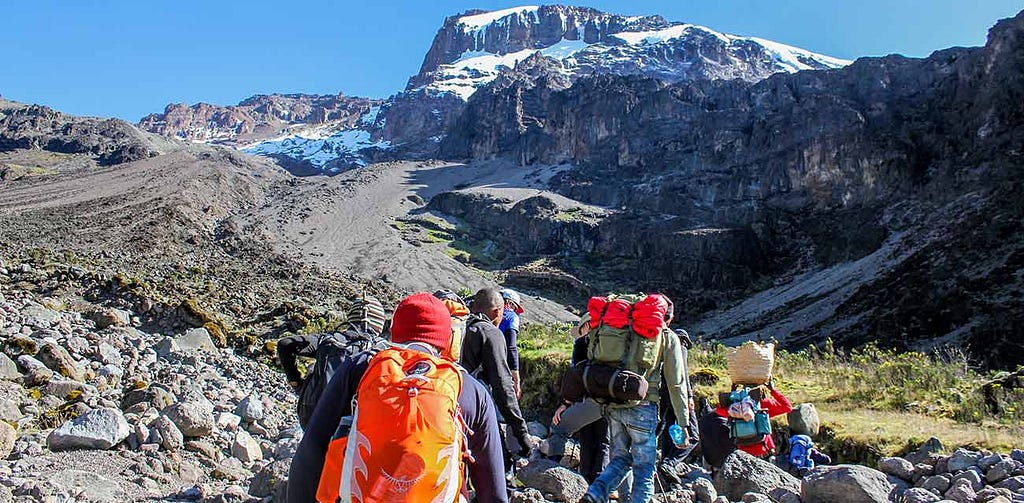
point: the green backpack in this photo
(623, 347)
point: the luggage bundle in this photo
(751, 363)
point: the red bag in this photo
(647, 314)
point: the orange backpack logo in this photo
(405, 441)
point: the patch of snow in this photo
(475, 69)
(319, 151)
(477, 21)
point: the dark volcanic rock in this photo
(908, 164)
(108, 141)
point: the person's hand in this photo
(516, 385)
(771, 383)
(295, 385)
(557, 418)
(685, 444)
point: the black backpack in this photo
(332, 350)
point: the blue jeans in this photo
(633, 431)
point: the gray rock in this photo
(39, 316)
(961, 492)
(245, 448)
(989, 494)
(989, 461)
(96, 429)
(163, 431)
(919, 495)
(228, 421)
(36, 373)
(154, 396)
(63, 388)
(898, 467)
(10, 412)
(271, 480)
(922, 470)
(937, 483)
(1015, 484)
(8, 369)
(109, 354)
(60, 361)
(963, 459)
(742, 473)
(109, 317)
(230, 469)
(193, 419)
(1001, 471)
(931, 446)
(88, 486)
(972, 475)
(250, 408)
(527, 495)
(755, 498)
(551, 478)
(196, 338)
(784, 495)
(846, 483)
(1017, 455)
(705, 490)
(804, 420)
(7, 438)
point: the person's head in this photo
(583, 327)
(423, 318)
(512, 300)
(366, 313)
(489, 303)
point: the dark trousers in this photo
(593, 449)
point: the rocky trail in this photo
(94, 409)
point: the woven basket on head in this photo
(751, 363)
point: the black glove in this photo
(526, 446)
(771, 383)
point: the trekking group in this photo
(424, 406)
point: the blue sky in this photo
(129, 58)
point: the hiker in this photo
(509, 327)
(484, 355)
(636, 330)
(365, 323)
(716, 427)
(421, 328)
(582, 416)
(802, 457)
(671, 455)
(459, 313)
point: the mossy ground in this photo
(873, 402)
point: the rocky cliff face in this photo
(326, 134)
(256, 118)
(106, 141)
(820, 167)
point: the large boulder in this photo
(245, 448)
(164, 432)
(551, 478)
(742, 473)
(919, 495)
(804, 420)
(60, 361)
(931, 446)
(1015, 484)
(963, 459)
(8, 369)
(898, 467)
(193, 419)
(847, 483)
(962, 492)
(7, 438)
(197, 339)
(96, 429)
(271, 480)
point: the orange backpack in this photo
(405, 439)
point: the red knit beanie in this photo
(421, 317)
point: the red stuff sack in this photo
(649, 315)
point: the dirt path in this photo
(347, 224)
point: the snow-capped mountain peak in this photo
(471, 49)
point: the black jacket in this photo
(486, 471)
(484, 355)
